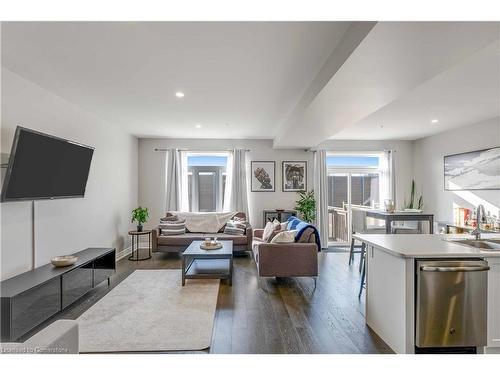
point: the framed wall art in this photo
(294, 175)
(263, 176)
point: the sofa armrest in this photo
(154, 239)
(258, 233)
(61, 337)
(287, 260)
(249, 234)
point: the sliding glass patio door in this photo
(353, 181)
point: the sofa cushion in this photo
(172, 228)
(236, 238)
(181, 239)
(169, 217)
(235, 227)
(270, 228)
(285, 236)
(306, 235)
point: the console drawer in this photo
(76, 283)
(34, 306)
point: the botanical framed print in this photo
(263, 175)
(476, 170)
(294, 175)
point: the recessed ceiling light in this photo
(435, 121)
(197, 126)
(179, 94)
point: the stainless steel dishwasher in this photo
(451, 306)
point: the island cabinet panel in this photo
(494, 303)
(386, 311)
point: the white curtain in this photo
(177, 181)
(321, 195)
(236, 194)
(387, 178)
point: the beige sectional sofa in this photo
(179, 243)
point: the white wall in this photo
(152, 172)
(429, 168)
(152, 168)
(403, 160)
(100, 219)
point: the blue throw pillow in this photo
(292, 224)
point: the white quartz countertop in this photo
(426, 245)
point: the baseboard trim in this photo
(128, 250)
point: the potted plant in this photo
(140, 215)
(306, 206)
(412, 205)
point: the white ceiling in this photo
(394, 59)
(467, 93)
(240, 79)
(297, 82)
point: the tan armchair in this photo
(285, 260)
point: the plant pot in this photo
(139, 228)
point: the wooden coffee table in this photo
(208, 264)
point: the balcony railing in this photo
(337, 224)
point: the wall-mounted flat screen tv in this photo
(42, 166)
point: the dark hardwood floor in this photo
(282, 316)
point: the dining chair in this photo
(359, 226)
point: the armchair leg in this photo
(315, 281)
(259, 283)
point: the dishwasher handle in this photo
(454, 269)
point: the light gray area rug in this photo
(151, 311)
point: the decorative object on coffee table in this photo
(210, 244)
(294, 175)
(207, 264)
(135, 244)
(263, 175)
(64, 260)
(140, 215)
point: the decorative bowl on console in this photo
(64, 260)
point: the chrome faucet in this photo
(480, 215)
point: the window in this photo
(362, 172)
(353, 180)
(206, 180)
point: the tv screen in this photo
(42, 166)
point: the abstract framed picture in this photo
(263, 175)
(294, 176)
(475, 170)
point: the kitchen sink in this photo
(485, 244)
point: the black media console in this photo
(31, 298)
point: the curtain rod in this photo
(194, 150)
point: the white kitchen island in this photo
(391, 278)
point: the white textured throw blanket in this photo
(204, 222)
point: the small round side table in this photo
(135, 241)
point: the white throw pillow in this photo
(268, 230)
(285, 236)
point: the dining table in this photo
(396, 216)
